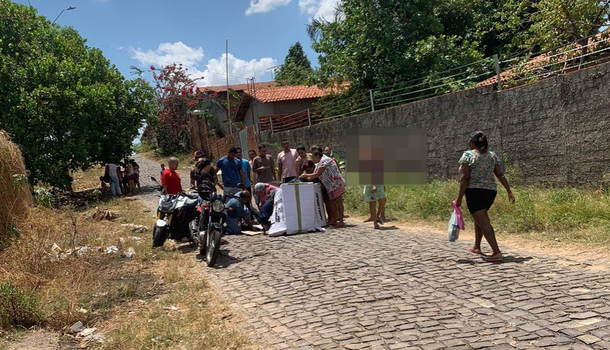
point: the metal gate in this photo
(243, 141)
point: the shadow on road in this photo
(149, 189)
(507, 260)
(187, 248)
(224, 260)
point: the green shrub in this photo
(17, 307)
(571, 213)
(44, 197)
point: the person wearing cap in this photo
(233, 179)
(264, 194)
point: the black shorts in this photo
(479, 199)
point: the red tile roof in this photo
(286, 93)
(544, 59)
(271, 92)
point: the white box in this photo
(303, 207)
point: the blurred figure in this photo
(374, 194)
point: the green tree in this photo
(537, 25)
(61, 101)
(471, 20)
(385, 42)
(296, 69)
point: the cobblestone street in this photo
(356, 288)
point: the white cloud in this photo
(319, 8)
(263, 6)
(239, 70)
(168, 53)
(214, 72)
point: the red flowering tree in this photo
(176, 96)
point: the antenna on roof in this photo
(272, 69)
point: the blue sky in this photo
(193, 32)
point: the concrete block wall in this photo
(556, 131)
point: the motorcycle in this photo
(175, 217)
(211, 222)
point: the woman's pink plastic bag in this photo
(460, 219)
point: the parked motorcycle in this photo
(175, 215)
(210, 227)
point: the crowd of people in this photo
(121, 179)
(256, 178)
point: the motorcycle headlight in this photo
(218, 206)
(166, 206)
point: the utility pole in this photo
(228, 98)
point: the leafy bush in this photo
(44, 197)
(17, 307)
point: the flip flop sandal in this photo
(495, 258)
(476, 251)
(377, 227)
(380, 222)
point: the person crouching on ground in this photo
(264, 194)
(236, 209)
(372, 195)
(477, 169)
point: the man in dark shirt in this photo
(236, 209)
(233, 178)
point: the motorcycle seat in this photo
(191, 203)
(191, 195)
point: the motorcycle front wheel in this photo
(213, 247)
(159, 236)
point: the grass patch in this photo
(17, 307)
(580, 215)
(189, 316)
(60, 260)
(57, 272)
(84, 180)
